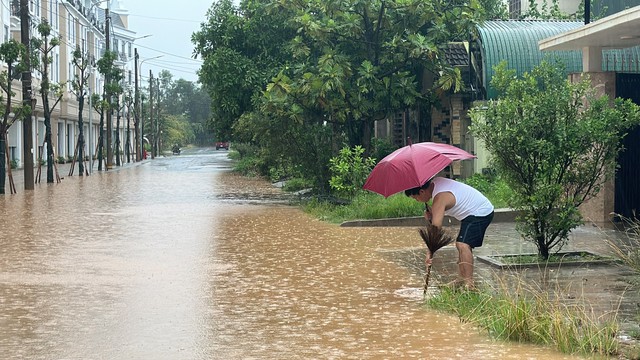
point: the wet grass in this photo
(526, 313)
(365, 205)
(628, 249)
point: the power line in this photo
(169, 19)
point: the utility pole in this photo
(158, 137)
(587, 11)
(153, 135)
(136, 112)
(107, 82)
(27, 125)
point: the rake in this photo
(435, 238)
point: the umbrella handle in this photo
(427, 209)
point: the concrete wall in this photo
(599, 209)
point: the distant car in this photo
(222, 145)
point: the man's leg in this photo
(465, 263)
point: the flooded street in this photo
(177, 258)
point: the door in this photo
(627, 182)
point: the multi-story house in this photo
(78, 24)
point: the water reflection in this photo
(179, 259)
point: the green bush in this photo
(14, 164)
(554, 142)
(349, 171)
(493, 187)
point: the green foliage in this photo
(299, 79)
(349, 171)
(523, 312)
(381, 148)
(177, 130)
(493, 187)
(364, 205)
(14, 164)
(550, 147)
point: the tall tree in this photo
(242, 49)
(11, 53)
(80, 87)
(47, 43)
(107, 67)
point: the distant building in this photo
(78, 24)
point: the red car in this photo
(222, 145)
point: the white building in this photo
(78, 23)
(518, 7)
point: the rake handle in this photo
(427, 275)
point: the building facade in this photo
(79, 24)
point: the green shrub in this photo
(61, 160)
(381, 148)
(349, 171)
(493, 187)
(14, 164)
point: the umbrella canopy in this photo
(412, 166)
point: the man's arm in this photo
(441, 202)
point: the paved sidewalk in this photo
(63, 172)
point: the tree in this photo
(297, 69)
(11, 53)
(79, 86)
(555, 143)
(242, 49)
(356, 62)
(107, 67)
(46, 43)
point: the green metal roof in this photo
(516, 41)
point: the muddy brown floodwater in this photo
(178, 258)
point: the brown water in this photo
(179, 259)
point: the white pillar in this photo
(591, 59)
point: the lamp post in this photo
(138, 109)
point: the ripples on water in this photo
(178, 259)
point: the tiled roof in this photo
(456, 54)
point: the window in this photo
(56, 68)
(71, 29)
(5, 35)
(130, 50)
(515, 8)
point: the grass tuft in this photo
(526, 313)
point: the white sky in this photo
(171, 23)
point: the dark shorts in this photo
(472, 229)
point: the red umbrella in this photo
(412, 166)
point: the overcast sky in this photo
(171, 23)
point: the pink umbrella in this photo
(412, 166)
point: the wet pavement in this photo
(178, 258)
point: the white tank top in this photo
(469, 201)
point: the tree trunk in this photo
(3, 157)
(117, 145)
(81, 136)
(101, 140)
(47, 139)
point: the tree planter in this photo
(569, 258)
